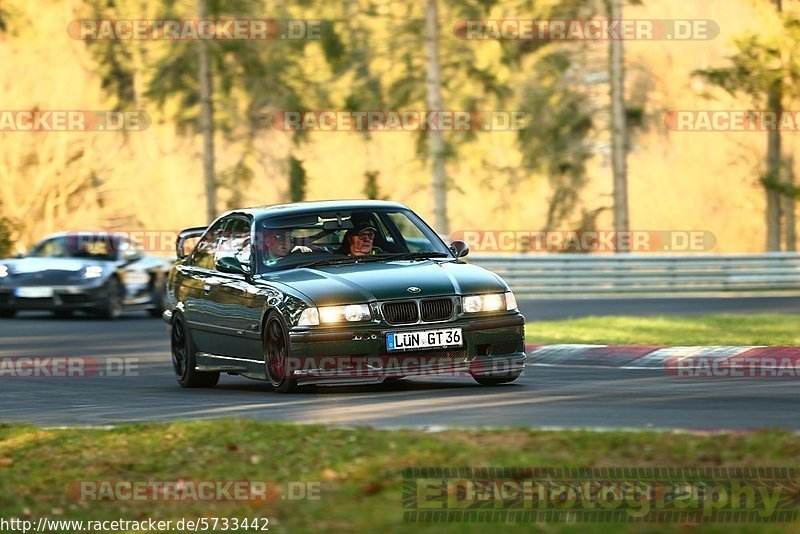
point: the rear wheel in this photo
(276, 355)
(7, 314)
(63, 314)
(183, 359)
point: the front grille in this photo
(74, 299)
(400, 312)
(49, 277)
(426, 356)
(436, 309)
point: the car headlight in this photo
(309, 317)
(351, 313)
(3, 270)
(490, 302)
(334, 314)
(511, 301)
(92, 271)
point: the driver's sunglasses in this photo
(366, 234)
(280, 236)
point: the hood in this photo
(358, 283)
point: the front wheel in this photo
(157, 296)
(7, 314)
(183, 359)
(276, 355)
(111, 307)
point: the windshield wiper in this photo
(341, 260)
(416, 255)
(338, 260)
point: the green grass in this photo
(359, 470)
(763, 329)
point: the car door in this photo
(236, 297)
(198, 278)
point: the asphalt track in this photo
(543, 397)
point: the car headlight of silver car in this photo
(490, 302)
(350, 313)
(3, 270)
(92, 271)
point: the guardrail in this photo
(592, 275)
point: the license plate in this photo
(34, 292)
(425, 339)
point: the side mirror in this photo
(130, 255)
(183, 236)
(459, 249)
(19, 255)
(230, 265)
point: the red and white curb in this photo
(705, 361)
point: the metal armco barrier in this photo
(593, 275)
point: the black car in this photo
(95, 272)
(278, 293)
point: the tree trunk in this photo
(774, 166)
(773, 175)
(789, 205)
(207, 121)
(619, 138)
(436, 146)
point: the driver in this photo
(279, 245)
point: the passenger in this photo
(360, 240)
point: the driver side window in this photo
(235, 242)
(203, 255)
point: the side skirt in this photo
(228, 364)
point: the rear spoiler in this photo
(185, 234)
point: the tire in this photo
(7, 314)
(496, 380)
(111, 308)
(63, 314)
(183, 358)
(158, 294)
(276, 343)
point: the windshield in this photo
(345, 237)
(77, 246)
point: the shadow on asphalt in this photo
(398, 386)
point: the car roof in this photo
(99, 233)
(261, 212)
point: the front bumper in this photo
(492, 346)
(66, 297)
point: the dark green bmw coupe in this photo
(335, 293)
